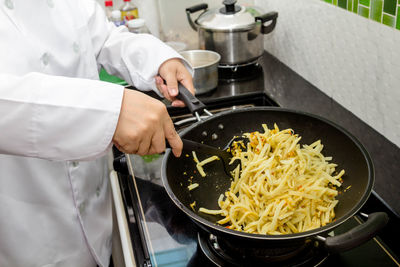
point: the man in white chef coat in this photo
(57, 121)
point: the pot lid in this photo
(229, 17)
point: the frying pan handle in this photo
(193, 104)
(358, 235)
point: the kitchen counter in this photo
(290, 90)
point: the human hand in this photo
(144, 125)
(173, 71)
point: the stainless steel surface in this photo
(236, 35)
(235, 47)
(205, 65)
(242, 19)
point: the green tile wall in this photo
(386, 12)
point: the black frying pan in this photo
(218, 130)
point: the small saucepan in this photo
(205, 65)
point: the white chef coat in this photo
(56, 122)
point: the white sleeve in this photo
(50, 117)
(135, 58)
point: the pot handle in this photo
(194, 9)
(267, 17)
(356, 236)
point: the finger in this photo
(159, 84)
(122, 145)
(157, 143)
(144, 146)
(172, 83)
(162, 87)
(178, 103)
(159, 80)
(165, 92)
(126, 148)
(118, 147)
(173, 138)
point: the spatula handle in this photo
(195, 146)
(192, 102)
(189, 145)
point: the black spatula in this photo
(197, 147)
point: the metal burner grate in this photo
(221, 252)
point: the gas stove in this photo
(162, 235)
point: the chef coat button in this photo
(50, 3)
(75, 163)
(9, 4)
(45, 59)
(75, 46)
(82, 207)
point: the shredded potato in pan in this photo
(281, 188)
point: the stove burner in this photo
(221, 253)
(241, 73)
(236, 66)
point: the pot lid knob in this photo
(230, 7)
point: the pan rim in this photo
(307, 234)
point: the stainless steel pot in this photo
(205, 65)
(233, 31)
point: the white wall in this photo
(167, 19)
(354, 60)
